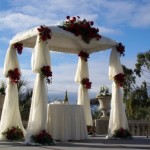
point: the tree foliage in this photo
(142, 67)
(130, 81)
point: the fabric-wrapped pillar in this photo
(83, 96)
(38, 112)
(10, 114)
(118, 117)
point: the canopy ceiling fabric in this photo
(64, 41)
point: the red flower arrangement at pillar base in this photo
(86, 83)
(14, 75)
(121, 49)
(81, 27)
(19, 47)
(119, 79)
(122, 133)
(83, 55)
(46, 71)
(42, 138)
(90, 130)
(15, 133)
(44, 32)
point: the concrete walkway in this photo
(93, 143)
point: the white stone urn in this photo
(104, 102)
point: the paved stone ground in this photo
(93, 143)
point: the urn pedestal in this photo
(102, 123)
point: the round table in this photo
(66, 122)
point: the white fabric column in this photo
(10, 114)
(83, 96)
(38, 111)
(118, 117)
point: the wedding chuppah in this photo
(74, 36)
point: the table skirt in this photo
(66, 122)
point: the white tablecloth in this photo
(66, 122)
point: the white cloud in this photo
(26, 14)
(19, 22)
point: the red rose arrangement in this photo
(44, 32)
(86, 83)
(119, 79)
(14, 75)
(121, 49)
(19, 47)
(81, 27)
(90, 130)
(46, 71)
(122, 133)
(83, 55)
(15, 133)
(43, 138)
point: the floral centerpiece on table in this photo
(119, 79)
(47, 73)
(14, 133)
(44, 33)
(19, 47)
(81, 27)
(121, 49)
(122, 133)
(86, 83)
(14, 75)
(43, 138)
(83, 55)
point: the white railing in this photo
(139, 127)
(136, 127)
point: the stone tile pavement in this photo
(93, 143)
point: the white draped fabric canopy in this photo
(61, 41)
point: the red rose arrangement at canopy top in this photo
(14, 75)
(81, 27)
(121, 49)
(19, 47)
(86, 83)
(44, 32)
(46, 71)
(119, 79)
(83, 55)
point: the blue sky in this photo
(126, 21)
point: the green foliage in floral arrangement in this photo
(90, 130)
(104, 91)
(13, 134)
(122, 133)
(43, 138)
